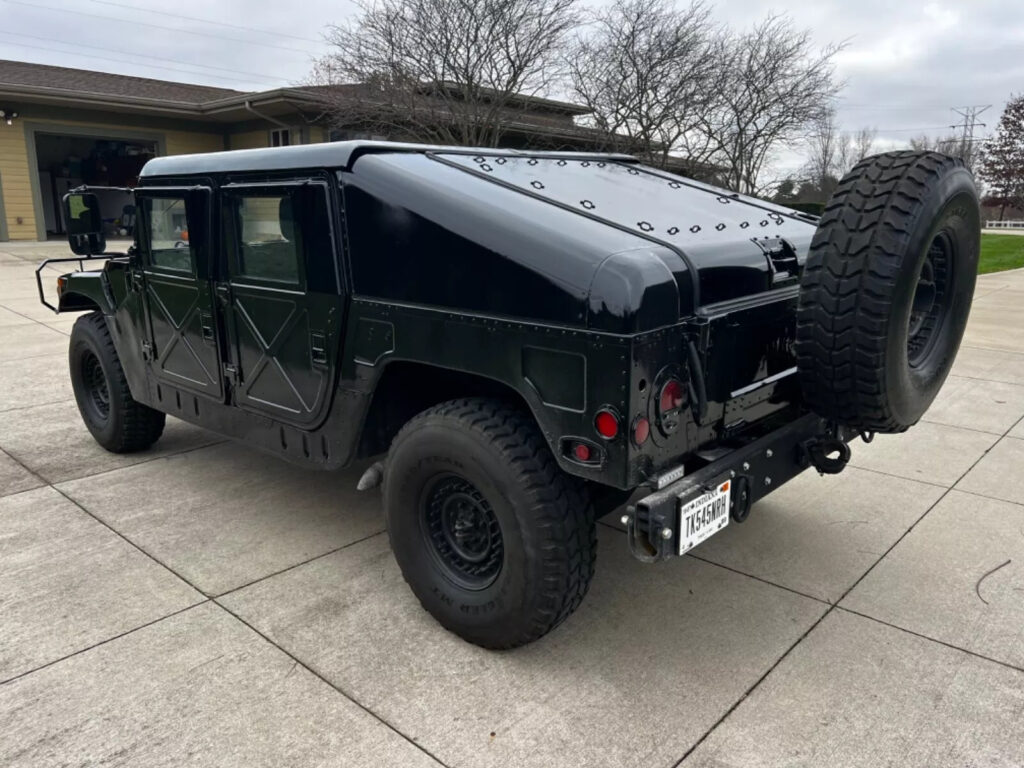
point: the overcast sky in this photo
(906, 63)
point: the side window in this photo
(166, 232)
(270, 242)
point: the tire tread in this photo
(141, 426)
(560, 512)
(849, 280)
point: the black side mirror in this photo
(85, 224)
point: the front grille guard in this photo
(63, 260)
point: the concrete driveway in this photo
(201, 604)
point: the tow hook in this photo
(640, 545)
(828, 455)
(372, 477)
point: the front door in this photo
(284, 309)
(176, 264)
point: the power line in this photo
(154, 26)
(905, 130)
(146, 56)
(273, 32)
(94, 57)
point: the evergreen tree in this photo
(1002, 159)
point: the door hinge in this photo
(231, 373)
(147, 351)
(135, 281)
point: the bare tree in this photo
(778, 86)
(826, 144)
(854, 147)
(447, 71)
(952, 145)
(649, 73)
(863, 144)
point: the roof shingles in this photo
(104, 84)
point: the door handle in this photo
(318, 347)
(206, 324)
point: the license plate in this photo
(703, 517)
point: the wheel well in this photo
(71, 301)
(406, 388)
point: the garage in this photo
(64, 161)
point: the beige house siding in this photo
(15, 187)
(20, 196)
(191, 142)
(19, 180)
(311, 134)
(249, 139)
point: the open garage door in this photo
(65, 161)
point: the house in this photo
(63, 127)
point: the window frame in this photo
(197, 219)
(291, 134)
(231, 220)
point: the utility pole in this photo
(970, 122)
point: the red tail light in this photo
(607, 424)
(641, 430)
(671, 397)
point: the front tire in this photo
(116, 420)
(493, 538)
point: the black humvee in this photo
(533, 339)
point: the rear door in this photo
(184, 348)
(282, 298)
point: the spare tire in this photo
(886, 290)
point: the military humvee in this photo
(533, 339)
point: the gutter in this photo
(249, 108)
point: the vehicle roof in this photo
(335, 154)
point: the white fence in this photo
(1004, 225)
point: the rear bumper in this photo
(756, 470)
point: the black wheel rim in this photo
(930, 305)
(462, 532)
(94, 382)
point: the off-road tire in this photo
(872, 352)
(547, 530)
(116, 420)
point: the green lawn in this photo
(999, 252)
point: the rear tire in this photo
(887, 289)
(493, 538)
(116, 420)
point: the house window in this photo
(281, 137)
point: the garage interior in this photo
(67, 161)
